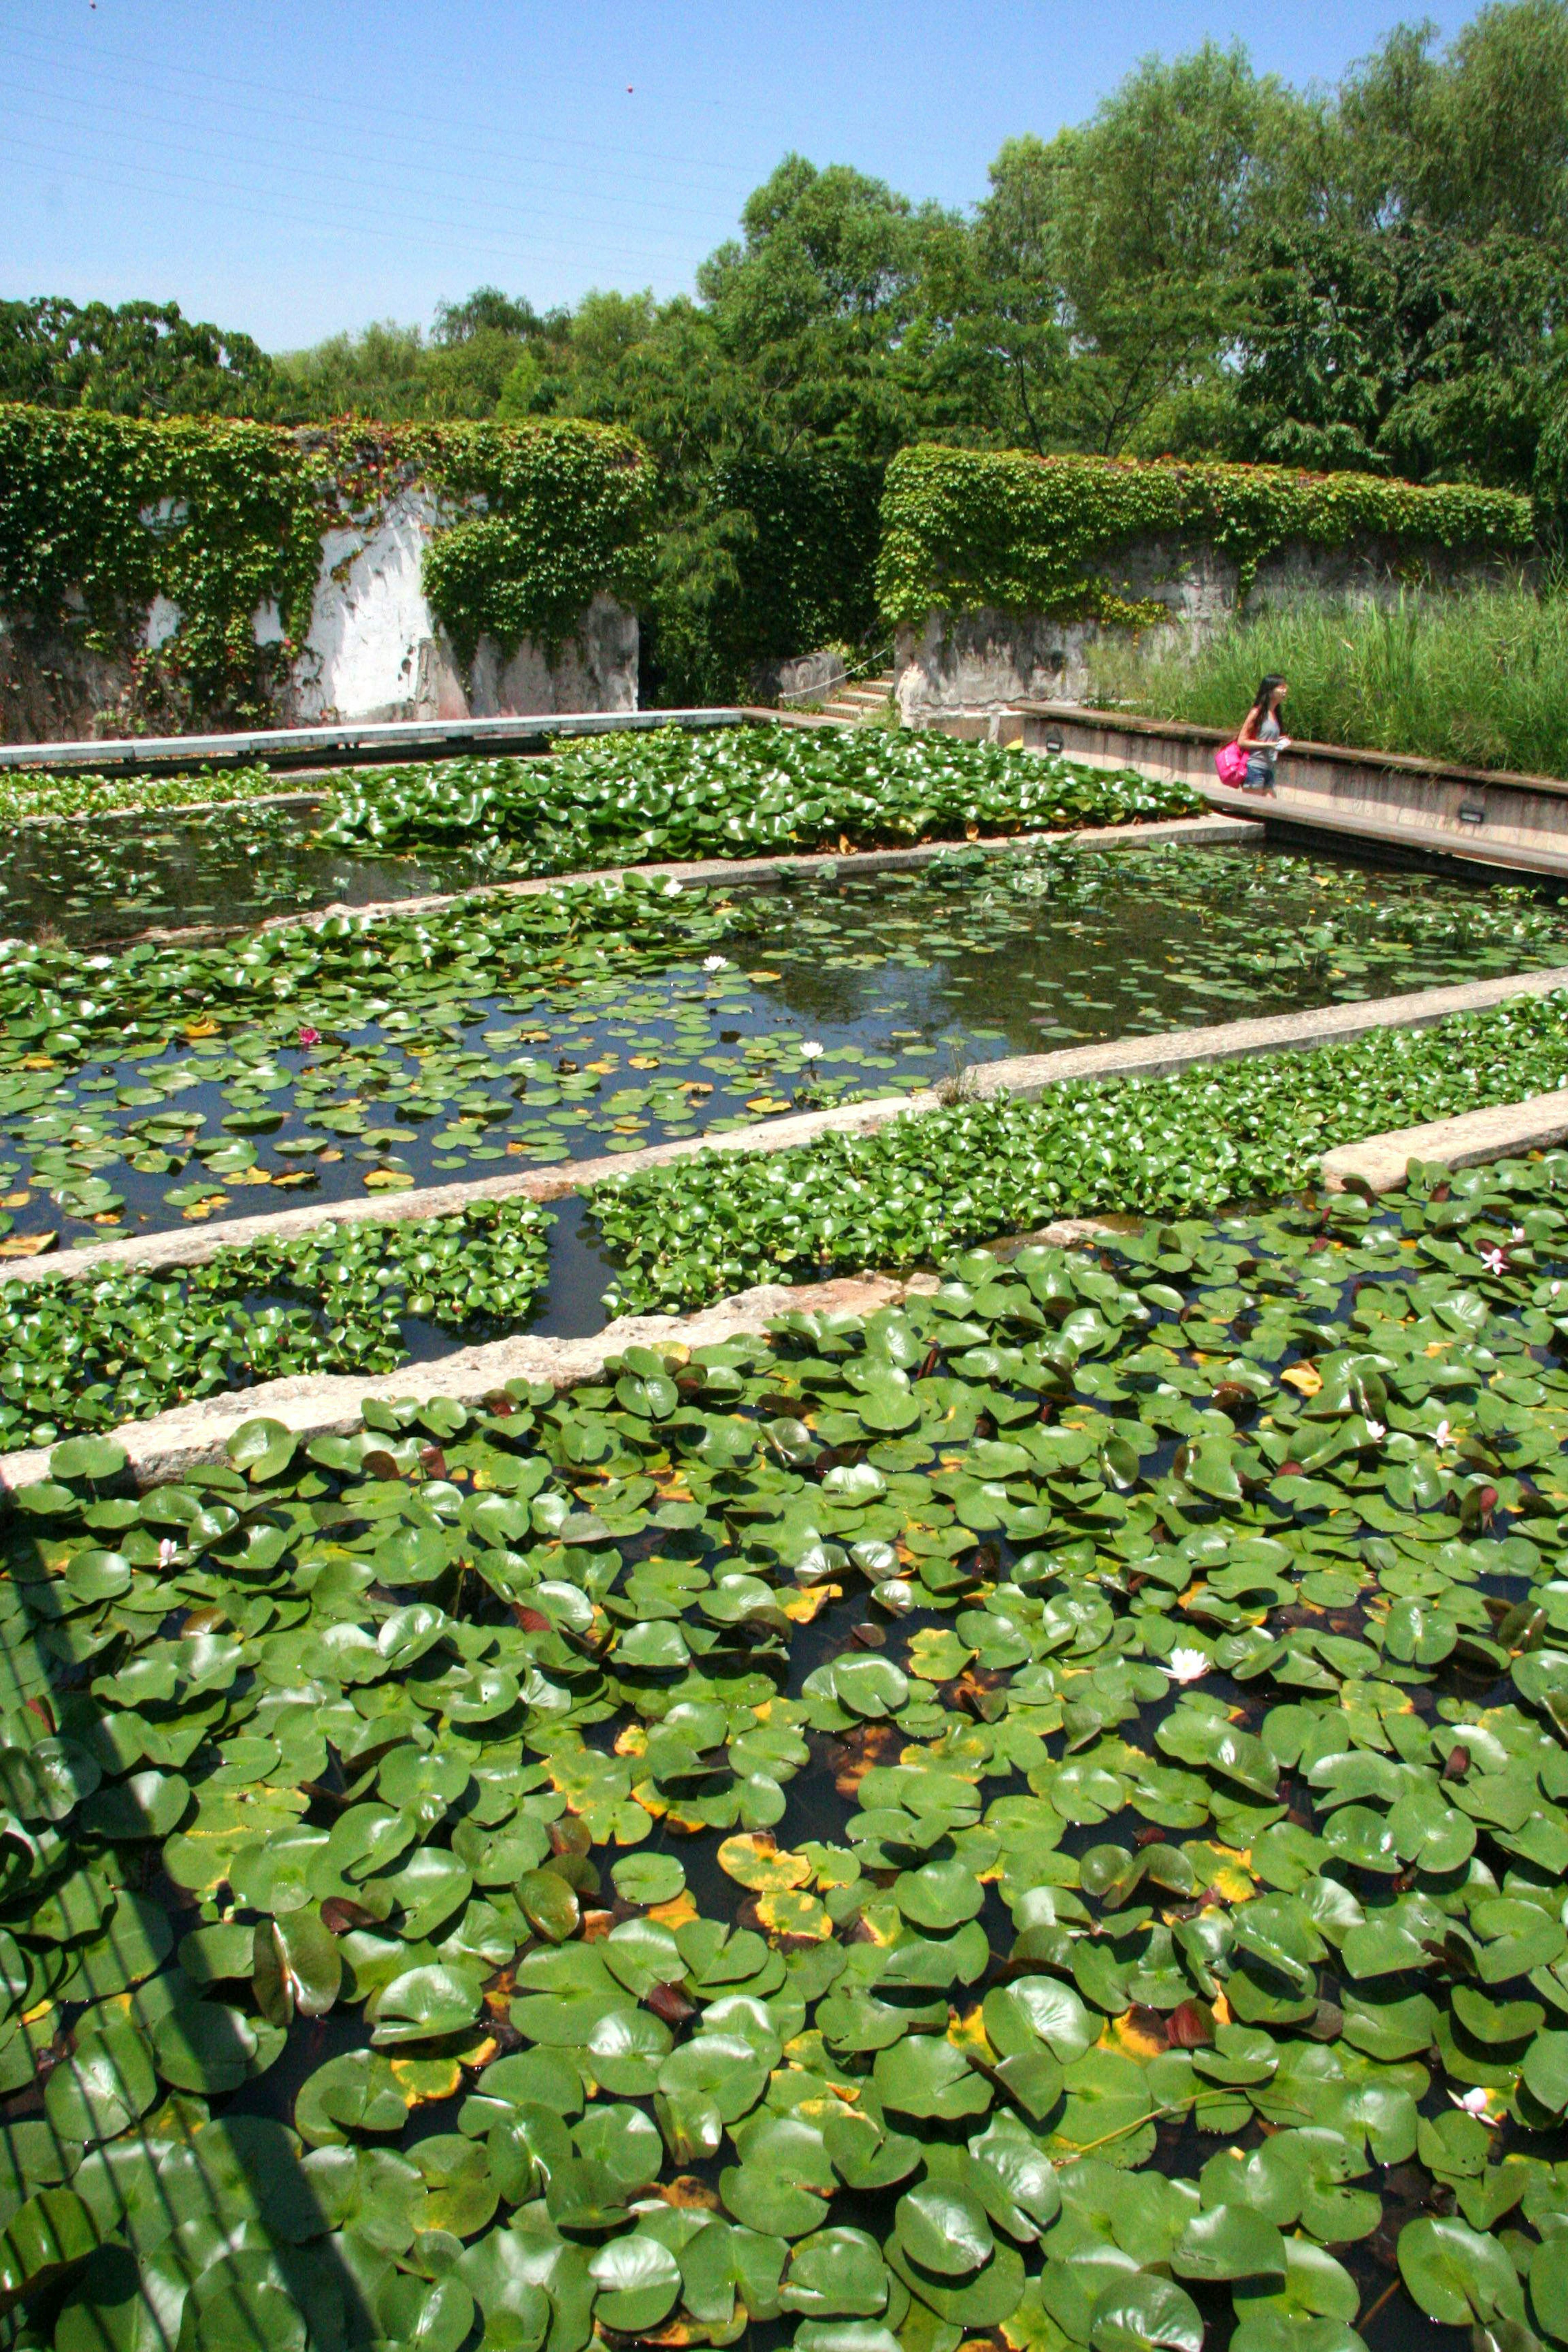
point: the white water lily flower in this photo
(715, 963)
(1442, 1434)
(673, 890)
(1187, 1665)
(1474, 2103)
(168, 1552)
(1377, 1431)
(811, 1051)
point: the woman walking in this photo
(1262, 737)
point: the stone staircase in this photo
(868, 698)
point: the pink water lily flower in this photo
(310, 1037)
(1474, 2103)
(1495, 1260)
(168, 1552)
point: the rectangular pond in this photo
(460, 1049)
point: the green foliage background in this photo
(1367, 280)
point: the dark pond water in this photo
(97, 885)
(836, 990)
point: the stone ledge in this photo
(1381, 1162)
(328, 1404)
(1162, 1054)
(332, 1404)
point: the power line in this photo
(470, 134)
(559, 210)
(362, 225)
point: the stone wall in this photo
(373, 651)
(976, 663)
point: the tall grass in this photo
(1479, 678)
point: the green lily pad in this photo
(101, 2089)
(1455, 2273)
(1138, 2314)
(944, 2229)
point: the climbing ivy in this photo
(100, 515)
(967, 528)
(566, 507)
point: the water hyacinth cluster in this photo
(1041, 1811)
(94, 1352)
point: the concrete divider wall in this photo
(980, 662)
(373, 651)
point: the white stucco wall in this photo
(375, 651)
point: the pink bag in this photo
(1230, 764)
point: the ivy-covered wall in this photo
(966, 529)
(997, 568)
(178, 567)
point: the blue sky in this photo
(294, 166)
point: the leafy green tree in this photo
(1401, 311)
(378, 372)
(142, 359)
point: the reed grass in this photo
(1479, 678)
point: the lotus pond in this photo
(626, 799)
(177, 1080)
(1037, 1816)
(92, 1353)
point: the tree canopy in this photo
(1372, 277)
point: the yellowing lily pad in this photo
(756, 1861)
(795, 1913)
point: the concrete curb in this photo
(319, 1406)
(1196, 831)
(312, 1405)
(1025, 1077)
(1381, 1162)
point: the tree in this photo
(1099, 280)
(144, 359)
(487, 310)
(379, 373)
(1402, 311)
(810, 311)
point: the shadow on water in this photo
(123, 2196)
(102, 885)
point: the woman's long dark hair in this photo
(1260, 710)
